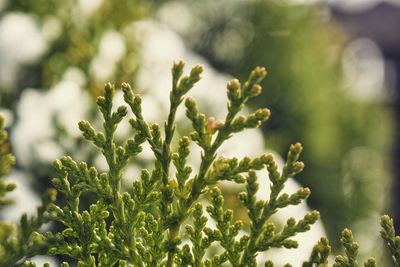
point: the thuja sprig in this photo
(204, 131)
(263, 235)
(321, 251)
(227, 229)
(22, 241)
(200, 241)
(225, 129)
(351, 251)
(242, 251)
(141, 226)
(319, 255)
(7, 160)
(180, 86)
(389, 236)
(145, 225)
(232, 169)
(19, 241)
(86, 233)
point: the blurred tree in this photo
(77, 34)
(379, 24)
(89, 42)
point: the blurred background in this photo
(332, 85)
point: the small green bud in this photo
(184, 141)
(228, 215)
(108, 90)
(196, 72)
(100, 100)
(202, 119)
(126, 87)
(174, 156)
(177, 69)
(240, 120)
(137, 100)
(238, 124)
(258, 74)
(296, 148)
(269, 229)
(255, 90)
(267, 158)
(122, 110)
(128, 93)
(194, 136)
(290, 244)
(283, 198)
(313, 216)
(234, 93)
(370, 263)
(347, 235)
(233, 85)
(156, 133)
(291, 222)
(303, 192)
(242, 196)
(221, 164)
(87, 129)
(263, 114)
(190, 103)
(298, 167)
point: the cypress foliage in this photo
(161, 221)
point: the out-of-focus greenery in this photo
(302, 50)
(76, 41)
(7, 160)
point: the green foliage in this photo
(18, 241)
(81, 36)
(161, 220)
(6, 162)
(389, 236)
(351, 251)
